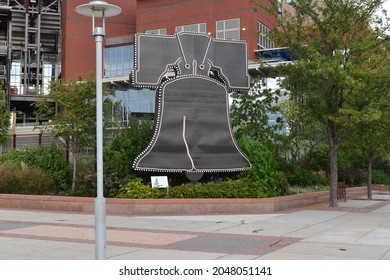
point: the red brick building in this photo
(226, 19)
(219, 18)
(78, 45)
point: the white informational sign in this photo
(159, 181)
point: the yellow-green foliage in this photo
(24, 179)
(243, 188)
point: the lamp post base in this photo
(100, 228)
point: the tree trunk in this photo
(74, 164)
(333, 176)
(333, 167)
(369, 173)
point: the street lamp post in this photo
(99, 9)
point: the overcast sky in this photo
(387, 6)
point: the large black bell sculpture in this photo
(193, 74)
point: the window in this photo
(264, 40)
(48, 75)
(160, 31)
(199, 28)
(228, 29)
(132, 101)
(118, 61)
(16, 78)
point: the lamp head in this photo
(98, 9)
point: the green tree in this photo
(369, 118)
(5, 116)
(304, 134)
(338, 43)
(75, 119)
(263, 168)
(128, 142)
(249, 111)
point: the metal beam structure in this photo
(30, 35)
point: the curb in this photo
(142, 207)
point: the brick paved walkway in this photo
(357, 229)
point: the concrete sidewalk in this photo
(357, 229)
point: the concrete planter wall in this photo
(133, 207)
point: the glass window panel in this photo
(106, 70)
(143, 94)
(228, 29)
(161, 31)
(112, 54)
(144, 105)
(233, 34)
(203, 28)
(231, 24)
(112, 70)
(119, 53)
(133, 107)
(191, 28)
(127, 67)
(133, 95)
(126, 52)
(152, 105)
(106, 54)
(264, 41)
(131, 100)
(115, 71)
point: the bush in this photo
(263, 170)
(49, 159)
(243, 188)
(380, 177)
(128, 143)
(318, 159)
(321, 178)
(298, 176)
(136, 189)
(24, 179)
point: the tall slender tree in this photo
(74, 116)
(369, 120)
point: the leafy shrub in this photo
(263, 170)
(298, 176)
(88, 184)
(24, 179)
(321, 178)
(48, 158)
(380, 177)
(318, 159)
(128, 143)
(136, 189)
(243, 188)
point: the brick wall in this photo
(78, 45)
